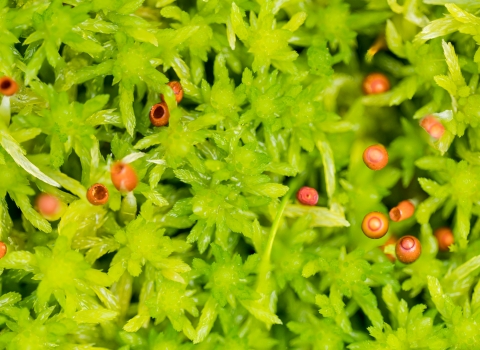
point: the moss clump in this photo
(202, 243)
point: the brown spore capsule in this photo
(445, 238)
(8, 86)
(124, 178)
(375, 225)
(177, 90)
(408, 249)
(375, 157)
(159, 114)
(97, 194)
(402, 211)
(375, 83)
(3, 249)
(307, 196)
(432, 126)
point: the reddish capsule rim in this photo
(159, 114)
(8, 86)
(97, 194)
(307, 195)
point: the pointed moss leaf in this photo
(320, 216)
(15, 151)
(94, 316)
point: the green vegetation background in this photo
(211, 251)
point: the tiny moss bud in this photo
(402, 211)
(408, 249)
(375, 225)
(3, 249)
(97, 194)
(159, 114)
(445, 238)
(375, 157)
(432, 126)
(307, 196)
(123, 176)
(8, 86)
(375, 83)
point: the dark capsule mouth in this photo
(99, 192)
(159, 114)
(6, 84)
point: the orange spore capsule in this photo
(402, 211)
(123, 177)
(375, 157)
(3, 249)
(408, 249)
(159, 114)
(433, 126)
(97, 194)
(177, 90)
(48, 205)
(8, 86)
(307, 196)
(390, 240)
(375, 225)
(444, 237)
(375, 83)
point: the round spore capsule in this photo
(123, 176)
(432, 126)
(8, 86)
(390, 240)
(49, 206)
(3, 249)
(177, 90)
(375, 83)
(97, 194)
(159, 114)
(375, 225)
(408, 249)
(445, 238)
(307, 196)
(375, 157)
(402, 211)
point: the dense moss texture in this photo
(211, 249)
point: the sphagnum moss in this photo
(201, 243)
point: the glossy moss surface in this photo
(209, 249)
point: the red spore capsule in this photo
(3, 249)
(159, 114)
(432, 126)
(375, 225)
(445, 238)
(177, 90)
(307, 196)
(402, 211)
(375, 83)
(408, 249)
(49, 206)
(97, 194)
(123, 176)
(8, 86)
(375, 157)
